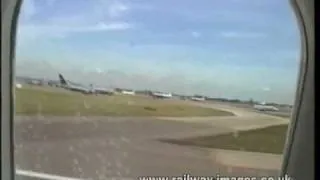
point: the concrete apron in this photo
(247, 160)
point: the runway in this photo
(120, 148)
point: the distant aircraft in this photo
(128, 92)
(34, 82)
(264, 107)
(198, 98)
(81, 88)
(18, 85)
(160, 95)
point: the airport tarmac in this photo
(122, 148)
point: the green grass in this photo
(45, 101)
(266, 140)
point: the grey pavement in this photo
(105, 147)
(244, 119)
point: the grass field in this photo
(45, 101)
(266, 140)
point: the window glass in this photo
(135, 89)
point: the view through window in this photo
(161, 89)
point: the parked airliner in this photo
(198, 98)
(264, 107)
(161, 95)
(81, 88)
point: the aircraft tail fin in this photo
(62, 80)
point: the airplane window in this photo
(139, 89)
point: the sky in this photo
(233, 48)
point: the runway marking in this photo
(43, 175)
(46, 176)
